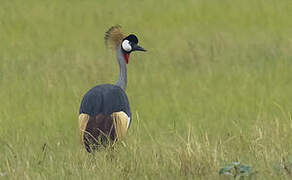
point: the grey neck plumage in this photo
(122, 82)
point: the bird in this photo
(104, 114)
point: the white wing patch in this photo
(129, 120)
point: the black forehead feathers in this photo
(132, 38)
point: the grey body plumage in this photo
(105, 99)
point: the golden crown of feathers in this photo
(114, 37)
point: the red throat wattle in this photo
(127, 56)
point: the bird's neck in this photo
(122, 82)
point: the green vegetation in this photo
(214, 88)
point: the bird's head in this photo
(130, 44)
(116, 39)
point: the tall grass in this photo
(213, 88)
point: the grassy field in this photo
(215, 87)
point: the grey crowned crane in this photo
(105, 114)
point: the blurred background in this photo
(213, 68)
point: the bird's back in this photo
(105, 99)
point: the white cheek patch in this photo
(126, 46)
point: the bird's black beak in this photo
(136, 47)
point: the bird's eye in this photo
(126, 46)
